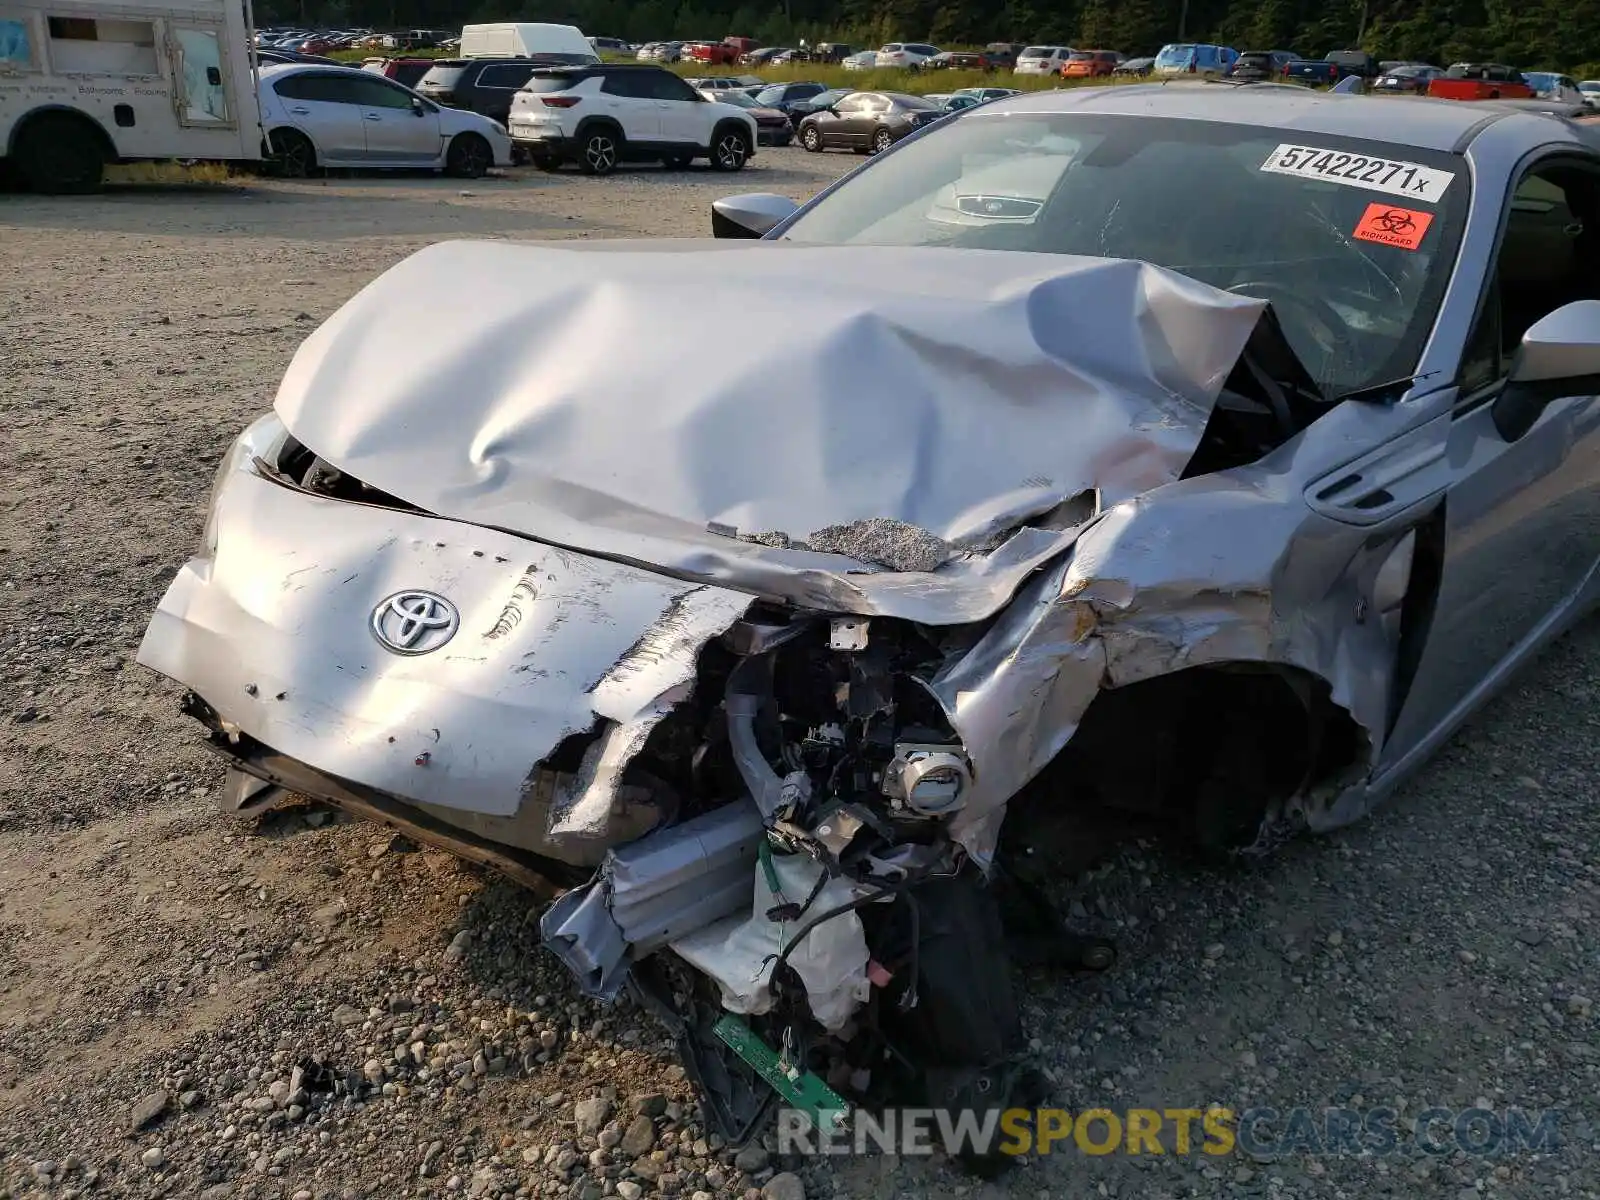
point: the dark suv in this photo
(484, 85)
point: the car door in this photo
(846, 124)
(1521, 525)
(626, 97)
(681, 111)
(400, 127)
(325, 109)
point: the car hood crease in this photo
(655, 405)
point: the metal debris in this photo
(898, 545)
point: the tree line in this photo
(1530, 34)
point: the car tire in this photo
(469, 157)
(60, 155)
(600, 151)
(293, 153)
(677, 162)
(881, 141)
(730, 149)
(811, 139)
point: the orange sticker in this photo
(1391, 226)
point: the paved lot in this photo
(1441, 955)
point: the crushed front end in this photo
(491, 598)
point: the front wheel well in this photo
(107, 146)
(1224, 756)
(590, 124)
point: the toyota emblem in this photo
(415, 622)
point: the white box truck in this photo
(83, 84)
(523, 39)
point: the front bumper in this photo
(273, 630)
(774, 135)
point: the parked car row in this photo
(325, 41)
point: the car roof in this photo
(1423, 122)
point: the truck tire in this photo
(59, 154)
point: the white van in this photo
(84, 83)
(521, 39)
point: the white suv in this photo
(905, 54)
(1042, 60)
(600, 116)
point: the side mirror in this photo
(417, 106)
(749, 216)
(1559, 356)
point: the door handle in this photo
(371, 117)
(301, 112)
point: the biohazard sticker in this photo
(1391, 226)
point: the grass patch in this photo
(169, 173)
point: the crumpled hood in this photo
(657, 403)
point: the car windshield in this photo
(1333, 232)
(1174, 56)
(737, 99)
(1589, 85)
(1254, 60)
(1035, 52)
(1540, 81)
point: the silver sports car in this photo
(1193, 455)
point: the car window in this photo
(326, 89)
(856, 103)
(626, 83)
(1354, 273)
(1543, 261)
(771, 95)
(509, 76)
(550, 84)
(923, 49)
(444, 77)
(374, 93)
(664, 85)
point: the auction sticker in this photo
(1391, 226)
(1411, 180)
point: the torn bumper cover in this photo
(765, 624)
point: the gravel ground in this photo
(304, 1008)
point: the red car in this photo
(1481, 81)
(405, 71)
(1084, 64)
(723, 53)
